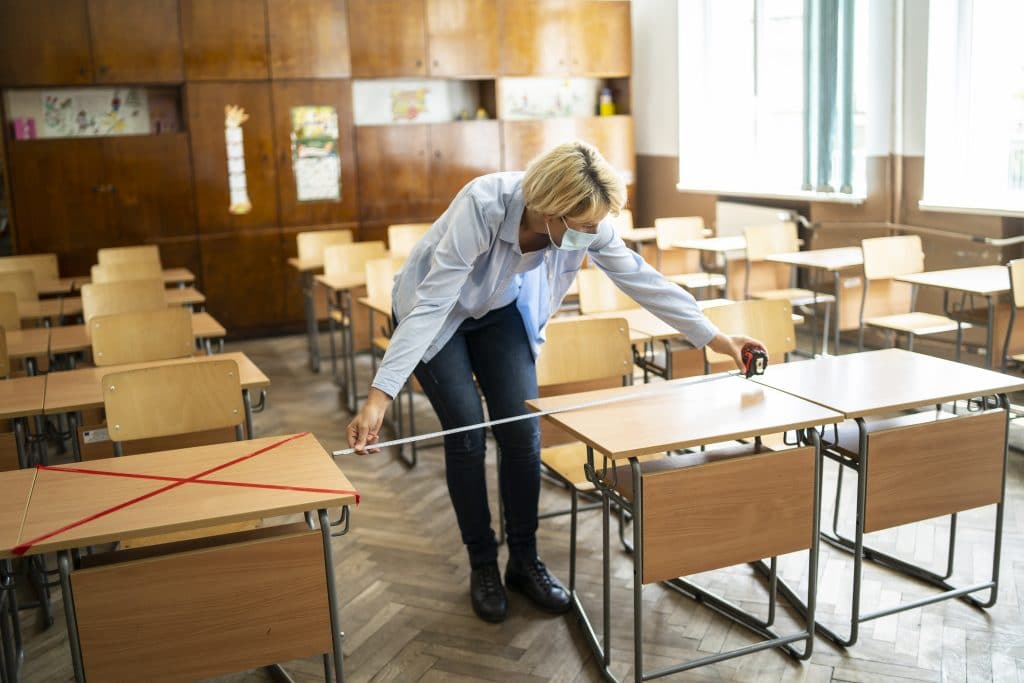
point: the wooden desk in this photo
(28, 344)
(185, 296)
(342, 314)
(81, 389)
(205, 582)
(985, 281)
(75, 338)
(59, 287)
(307, 268)
(15, 491)
(759, 504)
(172, 276)
(910, 467)
(20, 399)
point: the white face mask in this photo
(572, 240)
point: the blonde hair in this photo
(573, 180)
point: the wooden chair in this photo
(43, 265)
(780, 238)
(682, 266)
(9, 317)
(169, 406)
(134, 296)
(886, 258)
(140, 337)
(403, 237)
(127, 270)
(598, 294)
(311, 244)
(134, 254)
(767, 320)
(22, 283)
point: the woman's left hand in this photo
(731, 345)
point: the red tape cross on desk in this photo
(175, 483)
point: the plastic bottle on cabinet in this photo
(606, 106)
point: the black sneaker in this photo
(532, 579)
(487, 593)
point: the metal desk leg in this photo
(332, 597)
(989, 350)
(837, 285)
(312, 328)
(638, 576)
(64, 562)
(349, 351)
(21, 441)
(247, 402)
(76, 449)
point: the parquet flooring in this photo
(403, 581)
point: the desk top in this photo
(839, 258)
(80, 389)
(44, 308)
(342, 282)
(645, 326)
(714, 244)
(28, 342)
(639, 235)
(380, 305)
(22, 396)
(61, 498)
(876, 382)
(57, 287)
(981, 280)
(306, 265)
(184, 296)
(172, 276)
(73, 338)
(15, 491)
(681, 414)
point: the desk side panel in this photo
(925, 471)
(727, 513)
(192, 615)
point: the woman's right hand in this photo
(364, 429)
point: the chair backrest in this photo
(141, 337)
(623, 222)
(676, 228)
(598, 294)
(404, 236)
(341, 259)
(767, 320)
(380, 277)
(1016, 268)
(43, 265)
(311, 244)
(889, 257)
(22, 283)
(166, 400)
(773, 238)
(132, 296)
(126, 270)
(134, 254)
(9, 317)
(5, 360)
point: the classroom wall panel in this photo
(243, 277)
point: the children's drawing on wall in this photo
(408, 105)
(315, 160)
(234, 117)
(96, 111)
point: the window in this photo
(762, 96)
(974, 126)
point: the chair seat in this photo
(849, 435)
(697, 280)
(916, 323)
(567, 461)
(337, 317)
(797, 297)
(381, 343)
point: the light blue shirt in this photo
(466, 265)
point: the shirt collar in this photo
(509, 230)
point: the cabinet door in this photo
(522, 141)
(462, 37)
(387, 38)
(136, 42)
(393, 171)
(44, 42)
(338, 94)
(243, 278)
(224, 39)
(613, 136)
(151, 181)
(60, 203)
(534, 37)
(600, 38)
(206, 103)
(459, 152)
(308, 39)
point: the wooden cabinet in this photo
(459, 152)
(338, 94)
(462, 37)
(522, 141)
(599, 38)
(534, 38)
(243, 278)
(136, 42)
(206, 102)
(613, 136)
(44, 42)
(393, 171)
(224, 39)
(387, 38)
(308, 39)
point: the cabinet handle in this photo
(104, 68)
(419, 62)
(81, 71)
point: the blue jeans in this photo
(496, 350)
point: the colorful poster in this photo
(234, 117)
(96, 111)
(315, 160)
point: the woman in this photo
(472, 300)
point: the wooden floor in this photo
(403, 579)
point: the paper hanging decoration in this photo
(315, 159)
(234, 117)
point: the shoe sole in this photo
(490, 618)
(514, 586)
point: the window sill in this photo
(827, 197)
(975, 210)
